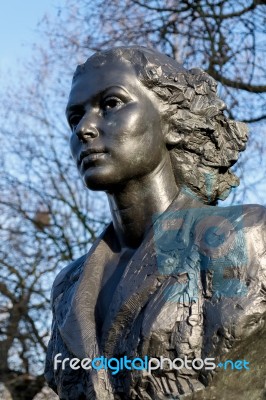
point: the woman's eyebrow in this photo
(94, 97)
(110, 88)
(73, 107)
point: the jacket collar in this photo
(140, 279)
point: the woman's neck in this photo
(135, 205)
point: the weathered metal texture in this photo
(172, 275)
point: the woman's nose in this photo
(86, 129)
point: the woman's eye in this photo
(74, 120)
(111, 103)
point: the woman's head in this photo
(203, 143)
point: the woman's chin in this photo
(96, 179)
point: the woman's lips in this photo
(91, 155)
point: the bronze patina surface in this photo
(173, 275)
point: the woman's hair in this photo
(205, 143)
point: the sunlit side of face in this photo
(116, 126)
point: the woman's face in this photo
(116, 126)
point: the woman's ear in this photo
(172, 138)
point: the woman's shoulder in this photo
(233, 237)
(247, 215)
(71, 273)
(66, 276)
(253, 214)
(247, 249)
(250, 218)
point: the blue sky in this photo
(18, 29)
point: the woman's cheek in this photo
(74, 146)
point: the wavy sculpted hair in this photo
(205, 142)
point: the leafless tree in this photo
(47, 219)
(226, 38)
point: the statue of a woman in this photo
(173, 275)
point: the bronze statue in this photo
(173, 275)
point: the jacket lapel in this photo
(140, 280)
(144, 278)
(77, 323)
